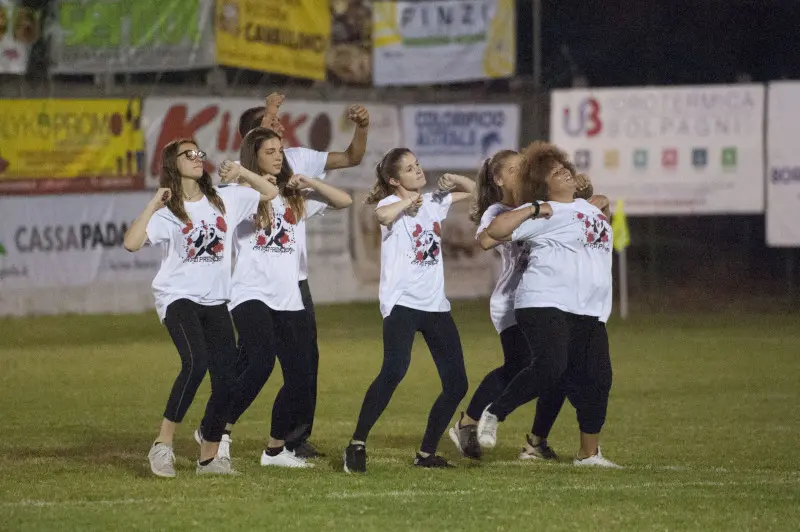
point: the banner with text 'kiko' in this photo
(681, 150)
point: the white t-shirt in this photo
(310, 163)
(268, 260)
(412, 272)
(196, 260)
(514, 257)
(569, 266)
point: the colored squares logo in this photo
(729, 157)
(583, 159)
(611, 159)
(669, 158)
(640, 159)
(699, 157)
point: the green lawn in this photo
(703, 413)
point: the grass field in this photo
(703, 413)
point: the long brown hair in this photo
(538, 161)
(384, 171)
(249, 159)
(171, 179)
(488, 192)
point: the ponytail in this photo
(385, 170)
(488, 192)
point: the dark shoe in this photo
(431, 461)
(307, 451)
(355, 459)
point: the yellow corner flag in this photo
(619, 224)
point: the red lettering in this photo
(290, 129)
(175, 126)
(224, 132)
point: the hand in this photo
(272, 179)
(447, 182)
(358, 115)
(415, 205)
(229, 171)
(545, 211)
(584, 188)
(161, 198)
(601, 202)
(300, 181)
(273, 103)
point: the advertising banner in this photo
(349, 57)
(50, 146)
(443, 41)
(681, 150)
(275, 36)
(19, 29)
(452, 137)
(783, 164)
(91, 36)
(320, 126)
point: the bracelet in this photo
(536, 209)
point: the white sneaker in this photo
(217, 466)
(487, 429)
(285, 459)
(162, 460)
(224, 450)
(597, 460)
(225, 447)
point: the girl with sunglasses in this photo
(193, 223)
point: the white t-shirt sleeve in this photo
(240, 202)
(488, 215)
(307, 162)
(314, 207)
(529, 229)
(158, 228)
(387, 201)
(441, 200)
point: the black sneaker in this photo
(306, 451)
(542, 451)
(466, 439)
(355, 458)
(431, 461)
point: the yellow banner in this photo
(61, 139)
(288, 37)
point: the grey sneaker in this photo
(162, 460)
(542, 451)
(466, 439)
(217, 466)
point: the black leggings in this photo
(265, 333)
(441, 335)
(570, 351)
(517, 356)
(205, 341)
(308, 422)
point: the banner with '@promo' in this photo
(52, 146)
(214, 123)
(443, 41)
(91, 36)
(275, 36)
(461, 136)
(19, 29)
(677, 150)
(783, 163)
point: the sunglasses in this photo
(193, 155)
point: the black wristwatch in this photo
(536, 208)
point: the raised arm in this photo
(486, 242)
(461, 187)
(230, 172)
(136, 235)
(354, 153)
(505, 224)
(334, 197)
(387, 214)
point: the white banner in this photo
(71, 240)
(449, 137)
(214, 123)
(442, 41)
(682, 150)
(783, 160)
